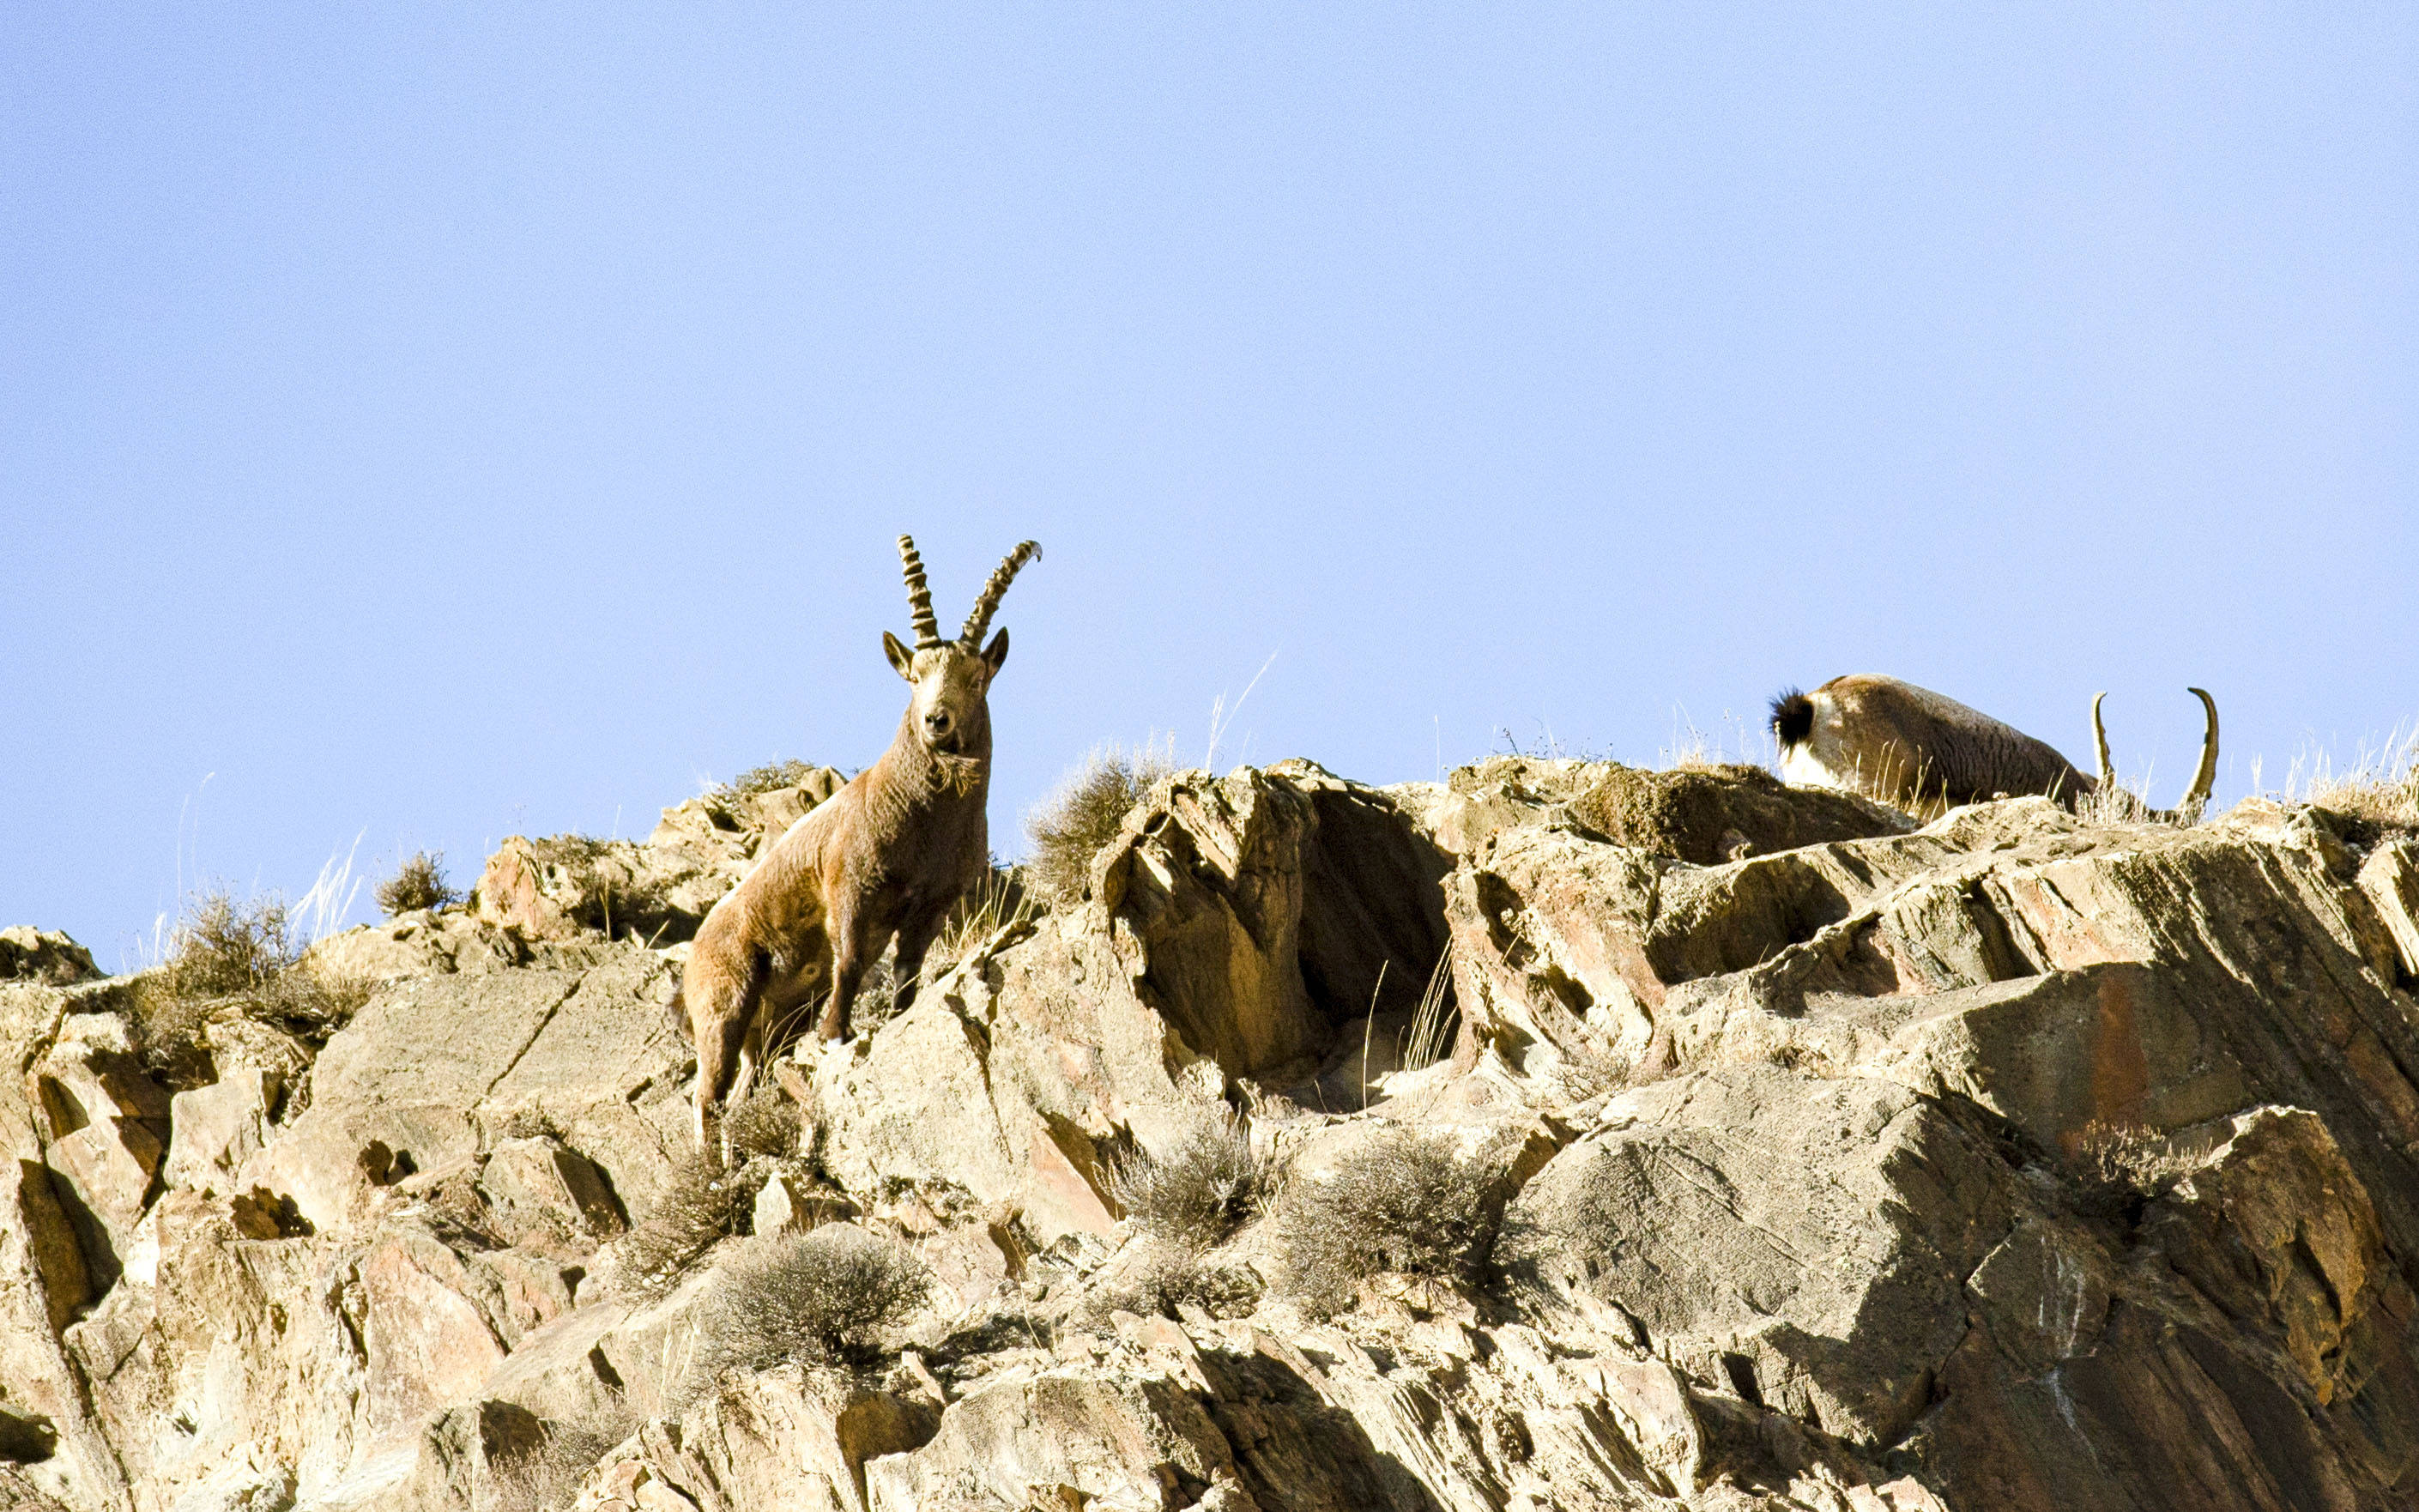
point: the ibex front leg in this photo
(854, 946)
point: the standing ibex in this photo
(1910, 747)
(888, 853)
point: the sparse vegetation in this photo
(2381, 786)
(1070, 826)
(418, 883)
(2117, 1167)
(1201, 1190)
(1438, 1016)
(825, 1298)
(1161, 1278)
(701, 1204)
(229, 958)
(547, 1477)
(1403, 1202)
(770, 778)
(768, 1124)
(998, 901)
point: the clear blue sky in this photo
(439, 422)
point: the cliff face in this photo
(2009, 1162)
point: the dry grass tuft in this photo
(547, 1477)
(700, 1203)
(1403, 1202)
(1434, 1022)
(770, 778)
(768, 1124)
(2116, 1167)
(998, 901)
(2381, 786)
(1201, 1190)
(825, 1298)
(418, 883)
(233, 958)
(1070, 826)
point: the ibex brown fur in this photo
(1923, 752)
(887, 854)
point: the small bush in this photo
(700, 1203)
(1070, 826)
(767, 1123)
(821, 1299)
(1403, 1202)
(418, 883)
(229, 958)
(1197, 1193)
(1163, 1277)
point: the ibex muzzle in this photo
(885, 858)
(1925, 752)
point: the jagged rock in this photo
(543, 1196)
(1215, 925)
(45, 956)
(217, 1129)
(1705, 815)
(559, 887)
(1806, 1242)
(2390, 877)
(2016, 1162)
(434, 1069)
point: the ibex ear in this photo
(997, 653)
(900, 658)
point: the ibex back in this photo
(1925, 752)
(885, 856)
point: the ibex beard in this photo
(885, 858)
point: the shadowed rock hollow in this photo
(1818, 1160)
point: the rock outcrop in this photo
(2010, 1163)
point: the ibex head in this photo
(951, 677)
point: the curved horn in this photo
(979, 619)
(919, 597)
(2206, 777)
(2100, 743)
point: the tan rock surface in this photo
(2010, 1163)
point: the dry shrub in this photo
(2116, 1167)
(1402, 1202)
(1201, 1190)
(2380, 786)
(824, 1298)
(700, 1204)
(767, 1123)
(1069, 827)
(419, 883)
(233, 958)
(1161, 1277)
(770, 778)
(547, 1477)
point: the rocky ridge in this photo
(2011, 1162)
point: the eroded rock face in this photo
(657, 890)
(48, 956)
(2013, 1162)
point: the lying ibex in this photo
(888, 853)
(1910, 747)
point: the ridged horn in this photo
(979, 620)
(919, 597)
(2100, 743)
(2206, 777)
